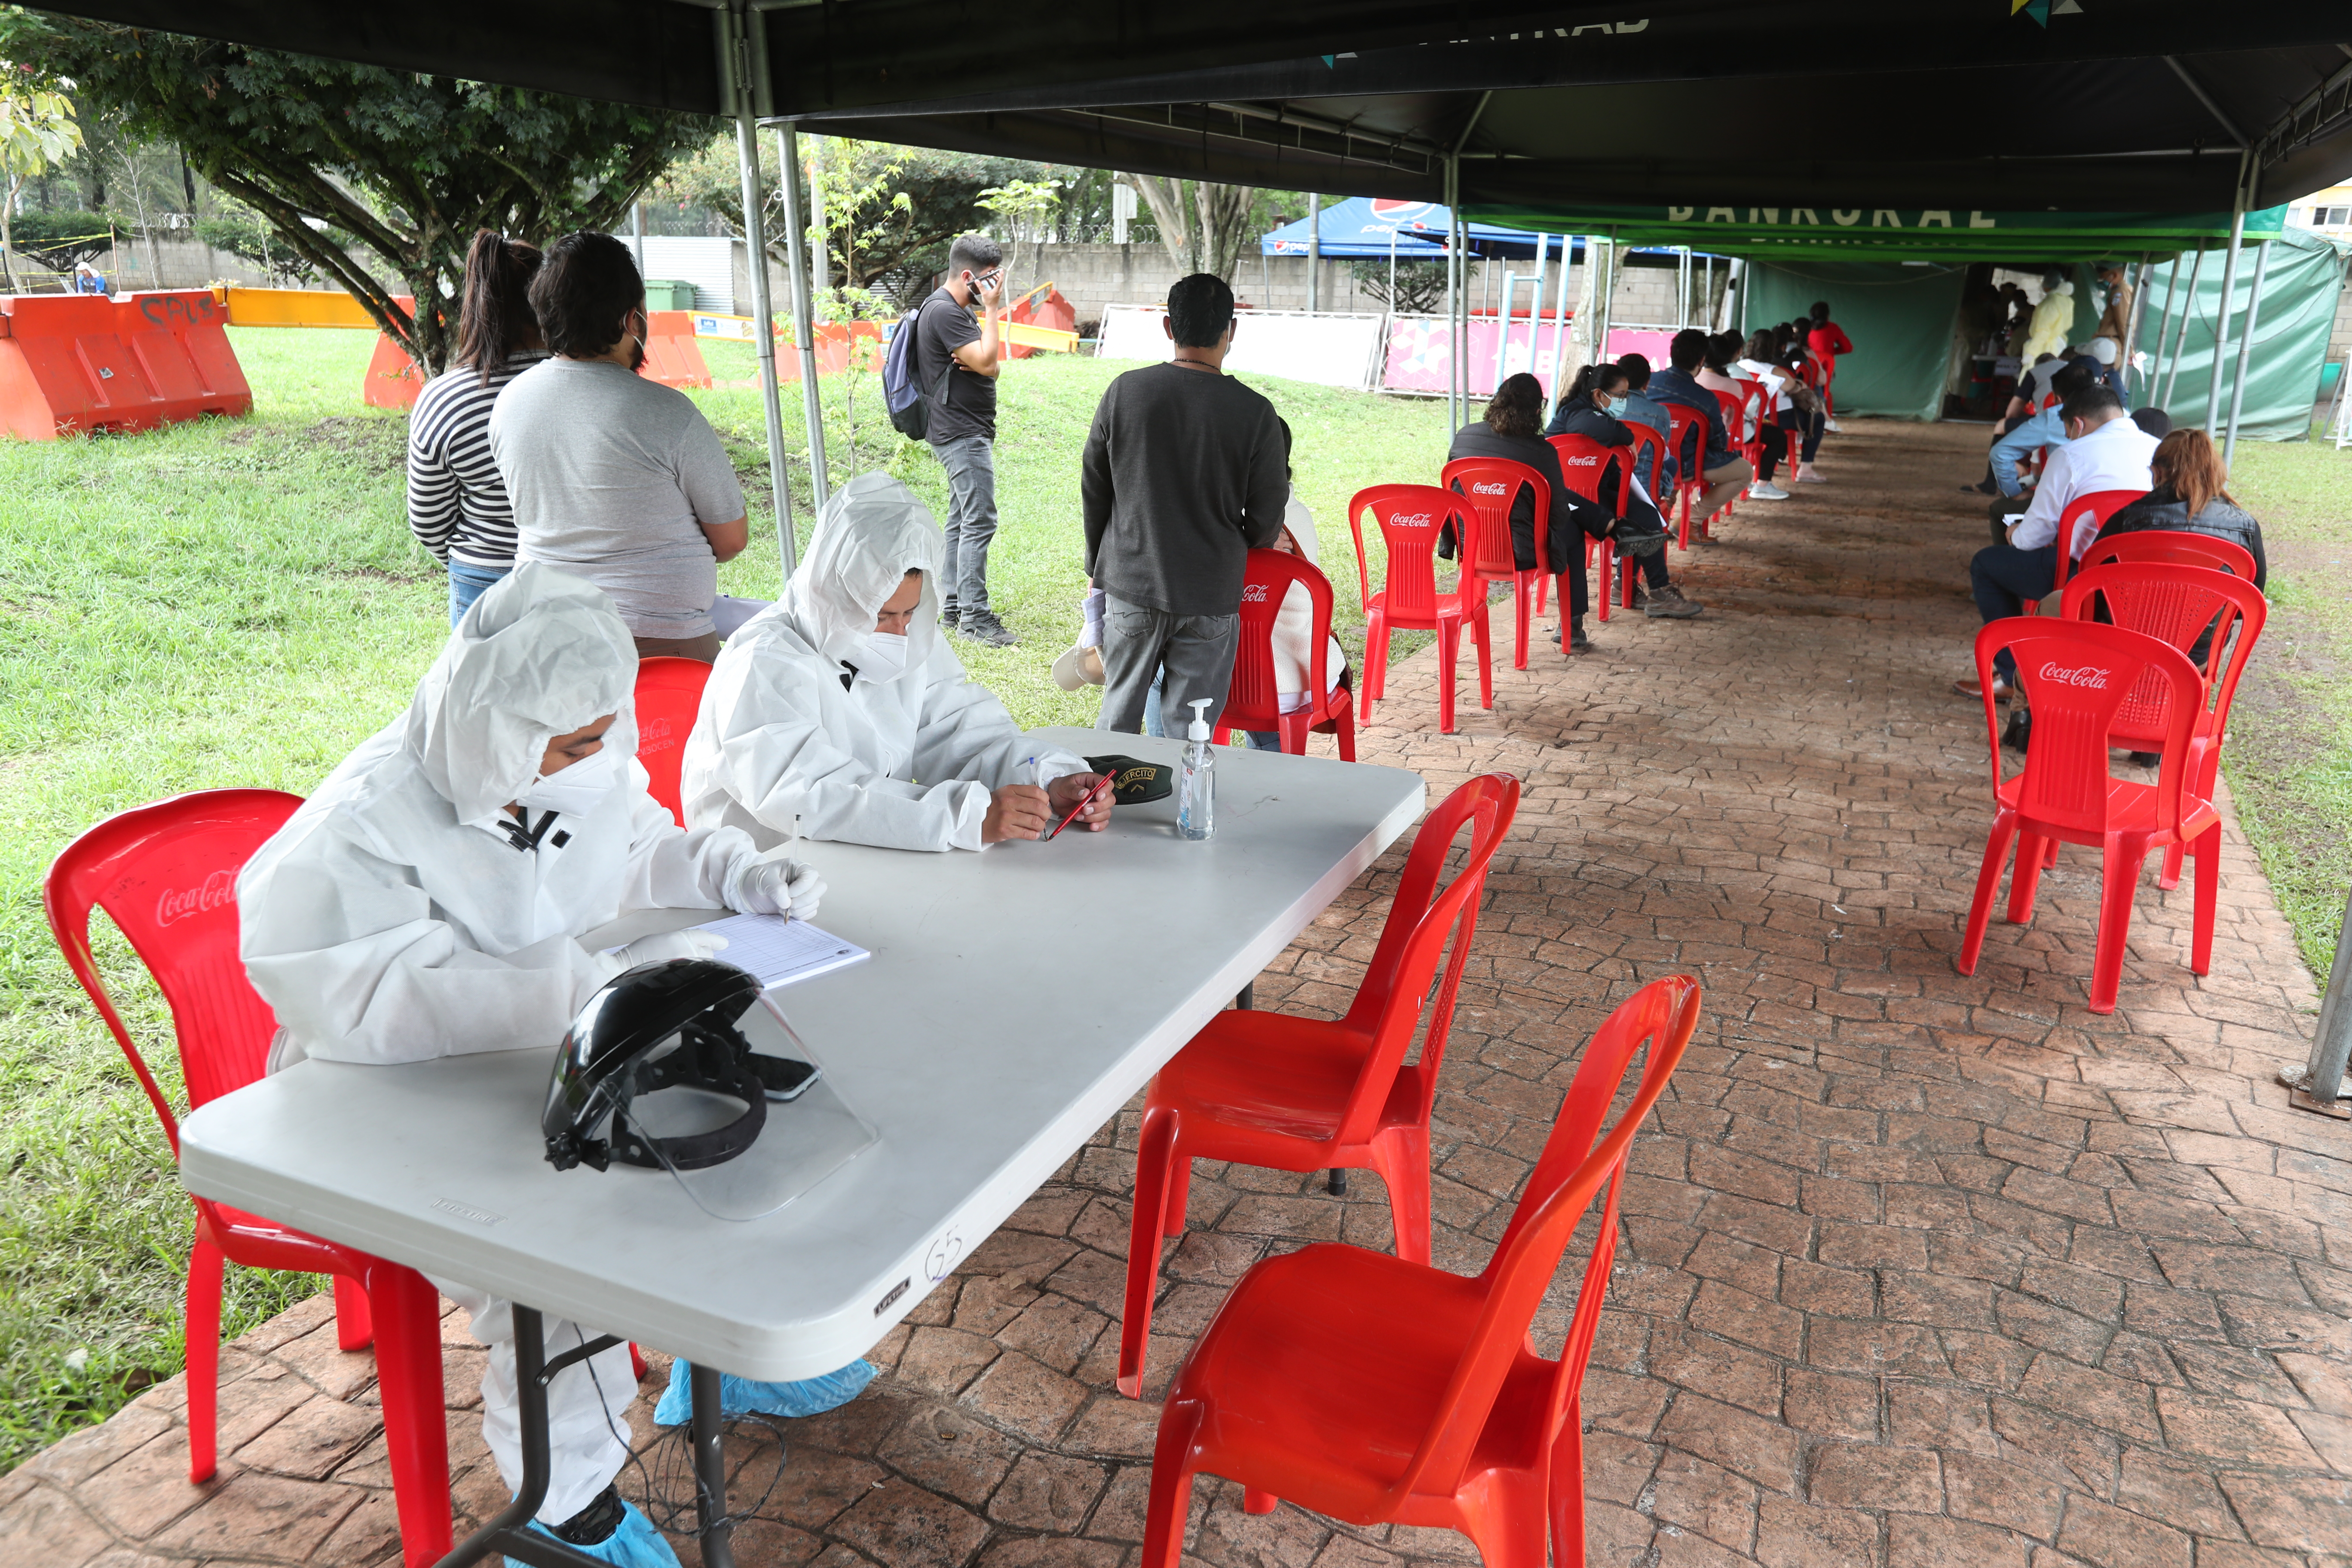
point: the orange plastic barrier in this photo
(671, 358)
(1051, 310)
(833, 341)
(79, 363)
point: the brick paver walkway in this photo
(1918, 1270)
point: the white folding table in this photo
(1015, 1000)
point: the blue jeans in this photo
(1259, 739)
(970, 463)
(468, 582)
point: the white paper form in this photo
(780, 951)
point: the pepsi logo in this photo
(2096, 679)
(178, 904)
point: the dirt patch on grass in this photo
(375, 442)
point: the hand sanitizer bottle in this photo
(1196, 788)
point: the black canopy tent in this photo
(1488, 105)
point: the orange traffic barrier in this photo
(833, 341)
(671, 358)
(1051, 310)
(80, 363)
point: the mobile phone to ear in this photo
(784, 1077)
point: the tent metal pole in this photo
(2180, 335)
(2246, 349)
(2221, 324)
(1607, 295)
(1560, 324)
(2163, 326)
(805, 319)
(1314, 254)
(2131, 327)
(763, 332)
(1452, 294)
(1503, 339)
(637, 233)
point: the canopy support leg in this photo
(803, 316)
(2131, 327)
(2246, 349)
(755, 244)
(2222, 323)
(2163, 326)
(2180, 337)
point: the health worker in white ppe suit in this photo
(841, 713)
(428, 900)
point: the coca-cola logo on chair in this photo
(179, 903)
(1416, 519)
(2084, 675)
(1484, 489)
(1252, 592)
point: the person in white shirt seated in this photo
(2105, 450)
(429, 901)
(841, 713)
(1294, 624)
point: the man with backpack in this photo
(956, 360)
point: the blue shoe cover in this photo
(742, 1396)
(636, 1544)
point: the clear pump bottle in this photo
(1196, 788)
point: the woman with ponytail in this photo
(457, 505)
(1509, 430)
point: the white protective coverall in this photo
(392, 919)
(909, 761)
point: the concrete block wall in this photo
(181, 263)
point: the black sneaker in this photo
(981, 625)
(2146, 759)
(1637, 544)
(948, 615)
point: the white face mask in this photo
(885, 657)
(578, 789)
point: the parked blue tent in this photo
(1362, 226)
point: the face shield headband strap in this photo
(711, 1055)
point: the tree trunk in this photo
(1165, 197)
(1224, 212)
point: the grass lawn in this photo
(241, 603)
(2290, 756)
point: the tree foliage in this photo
(873, 241)
(1420, 284)
(61, 240)
(37, 130)
(402, 165)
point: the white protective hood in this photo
(394, 918)
(783, 747)
(869, 537)
(539, 655)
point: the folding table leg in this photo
(711, 1471)
(510, 1532)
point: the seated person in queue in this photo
(429, 901)
(1678, 386)
(1652, 417)
(1508, 431)
(841, 712)
(1294, 627)
(1779, 367)
(2186, 477)
(2105, 451)
(2029, 432)
(1593, 408)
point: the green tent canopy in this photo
(1888, 234)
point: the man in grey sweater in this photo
(1186, 470)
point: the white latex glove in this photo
(669, 944)
(780, 888)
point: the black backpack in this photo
(909, 405)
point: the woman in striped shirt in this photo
(457, 505)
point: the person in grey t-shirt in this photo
(614, 477)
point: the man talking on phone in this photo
(950, 341)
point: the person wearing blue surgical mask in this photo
(842, 712)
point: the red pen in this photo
(1089, 800)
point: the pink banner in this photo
(1419, 358)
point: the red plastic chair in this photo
(669, 694)
(1254, 699)
(1489, 486)
(1409, 518)
(166, 875)
(1689, 440)
(1582, 462)
(2096, 505)
(2178, 604)
(1299, 1094)
(1379, 1390)
(2078, 676)
(2168, 545)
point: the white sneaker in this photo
(1763, 490)
(1834, 427)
